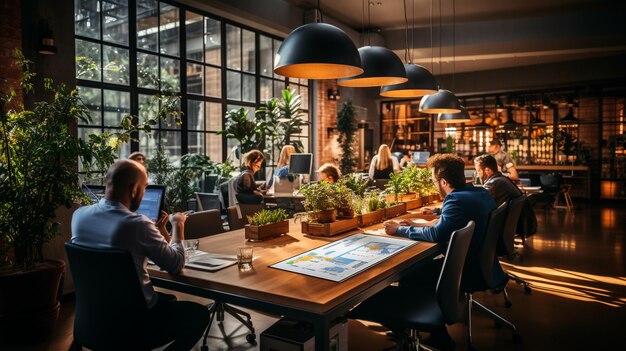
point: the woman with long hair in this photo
(282, 167)
(383, 164)
(246, 189)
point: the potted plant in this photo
(320, 199)
(248, 133)
(267, 224)
(347, 127)
(39, 158)
(373, 211)
(344, 203)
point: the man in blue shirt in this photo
(112, 223)
(463, 203)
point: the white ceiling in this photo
(488, 34)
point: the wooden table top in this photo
(295, 290)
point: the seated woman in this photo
(383, 164)
(329, 173)
(282, 168)
(245, 187)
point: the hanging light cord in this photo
(453, 43)
(440, 43)
(369, 24)
(432, 48)
(362, 22)
(412, 31)
(406, 35)
(319, 12)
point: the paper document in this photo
(344, 258)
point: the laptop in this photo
(95, 192)
(152, 202)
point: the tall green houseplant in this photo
(347, 127)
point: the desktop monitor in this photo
(420, 157)
(152, 201)
(300, 163)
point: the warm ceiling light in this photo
(421, 82)
(381, 67)
(317, 51)
(444, 101)
(461, 117)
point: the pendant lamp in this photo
(380, 67)
(421, 82)
(461, 117)
(511, 123)
(569, 118)
(444, 101)
(317, 51)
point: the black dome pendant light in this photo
(444, 101)
(381, 66)
(317, 51)
(449, 118)
(421, 82)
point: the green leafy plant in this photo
(319, 196)
(248, 133)
(266, 216)
(347, 127)
(40, 155)
(355, 182)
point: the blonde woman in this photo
(282, 168)
(383, 164)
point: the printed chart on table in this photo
(344, 258)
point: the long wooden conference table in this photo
(279, 292)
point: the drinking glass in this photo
(244, 258)
(190, 248)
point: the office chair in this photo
(237, 222)
(111, 311)
(486, 266)
(428, 307)
(506, 243)
(208, 201)
(564, 197)
(203, 223)
(380, 183)
(551, 185)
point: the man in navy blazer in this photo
(463, 203)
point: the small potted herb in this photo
(267, 224)
(320, 200)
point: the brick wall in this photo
(327, 147)
(10, 39)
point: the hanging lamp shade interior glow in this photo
(444, 101)
(380, 67)
(461, 117)
(421, 82)
(317, 51)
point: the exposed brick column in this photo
(10, 39)
(327, 146)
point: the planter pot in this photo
(29, 305)
(268, 231)
(395, 210)
(406, 197)
(326, 216)
(330, 229)
(413, 204)
(366, 219)
(344, 213)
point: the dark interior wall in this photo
(59, 16)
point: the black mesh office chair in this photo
(550, 186)
(111, 311)
(506, 243)
(486, 265)
(424, 307)
(208, 201)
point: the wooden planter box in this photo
(330, 229)
(413, 204)
(395, 211)
(268, 231)
(371, 217)
(406, 197)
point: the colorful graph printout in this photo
(344, 258)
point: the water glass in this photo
(190, 248)
(244, 258)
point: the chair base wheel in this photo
(251, 338)
(517, 339)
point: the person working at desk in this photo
(282, 168)
(383, 164)
(112, 223)
(329, 173)
(138, 157)
(463, 203)
(501, 188)
(245, 187)
(505, 162)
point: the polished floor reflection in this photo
(575, 266)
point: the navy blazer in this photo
(468, 203)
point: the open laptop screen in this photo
(152, 201)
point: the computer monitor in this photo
(152, 201)
(420, 157)
(300, 163)
(95, 192)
